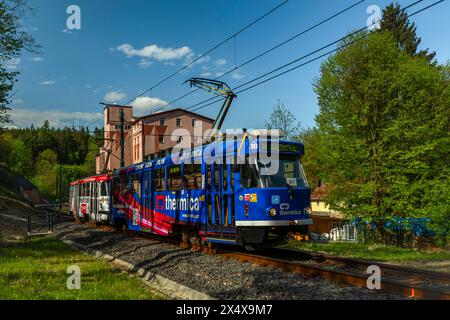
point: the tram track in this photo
(405, 281)
(408, 282)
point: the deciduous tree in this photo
(283, 119)
(384, 120)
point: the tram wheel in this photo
(125, 229)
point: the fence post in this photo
(29, 224)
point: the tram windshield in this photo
(290, 173)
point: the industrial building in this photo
(147, 137)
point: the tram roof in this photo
(97, 178)
(230, 148)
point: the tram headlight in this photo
(308, 210)
(272, 212)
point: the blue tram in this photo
(218, 193)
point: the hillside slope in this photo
(18, 188)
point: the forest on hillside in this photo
(50, 157)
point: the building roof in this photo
(159, 114)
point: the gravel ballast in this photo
(218, 277)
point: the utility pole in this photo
(60, 187)
(122, 139)
(143, 141)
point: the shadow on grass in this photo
(45, 247)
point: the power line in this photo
(210, 50)
(201, 106)
(269, 50)
(301, 58)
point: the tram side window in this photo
(208, 177)
(116, 189)
(136, 185)
(104, 189)
(174, 178)
(225, 178)
(216, 177)
(193, 176)
(159, 182)
(249, 176)
(124, 185)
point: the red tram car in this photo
(89, 199)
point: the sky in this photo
(125, 47)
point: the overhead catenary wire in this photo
(209, 51)
(201, 106)
(203, 55)
(237, 67)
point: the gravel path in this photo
(216, 276)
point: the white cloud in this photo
(144, 63)
(221, 62)
(22, 117)
(144, 105)
(36, 59)
(47, 83)
(114, 96)
(102, 88)
(190, 58)
(12, 64)
(155, 52)
(206, 74)
(237, 75)
(219, 74)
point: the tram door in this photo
(147, 200)
(94, 201)
(220, 200)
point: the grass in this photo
(372, 252)
(36, 270)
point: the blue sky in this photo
(125, 47)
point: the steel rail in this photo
(409, 271)
(346, 277)
(352, 278)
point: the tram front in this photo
(274, 198)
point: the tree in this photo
(396, 22)
(12, 41)
(282, 119)
(5, 147)
(46, 173)
(311, 138)
(384, 122)
(20, 160)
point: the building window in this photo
(161, 139)
(194, 123)
(125, 127)
(178, 122)
(162, 121)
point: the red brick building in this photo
(150, 136)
